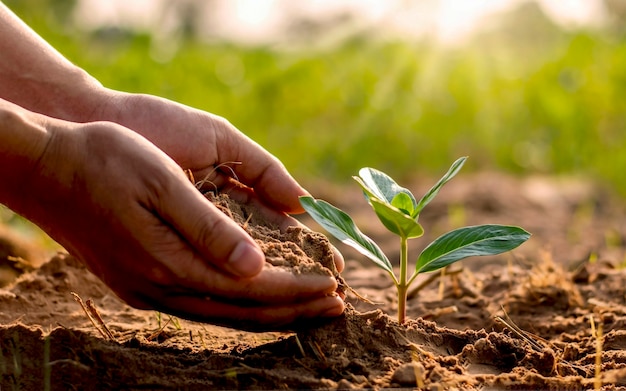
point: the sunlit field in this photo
(534, 95)
(523, 96)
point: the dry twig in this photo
(596, 332)
(90, 310)
(526, 336)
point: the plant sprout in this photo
(399, 211)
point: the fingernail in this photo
(246, 260)
(335, 310)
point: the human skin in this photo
(100, 171)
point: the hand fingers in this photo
(276, 287)
(259, 169)
(217, 239)
(253, 318)
(214, 236)
(280, 219)
(272, 285)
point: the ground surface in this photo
(529, 319)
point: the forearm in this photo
(37, 77)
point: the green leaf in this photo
(403, 202)
(452, 171)
(377, 184)
(467, 242)
(340, 225)
(396, 221)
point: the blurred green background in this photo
(524, 95)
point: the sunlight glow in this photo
(574, 12)
(264, 21)
(457, 19)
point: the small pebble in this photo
(345, 385)
(404, 375)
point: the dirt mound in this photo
(535, 319)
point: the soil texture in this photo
(549, 315)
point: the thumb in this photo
(214, 236)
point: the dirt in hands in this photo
(524, 320)
(297, 249)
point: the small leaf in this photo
(467, 242)
(396, 220)
(340, 225)
(403, 202)
(380, 185)
(452, 171)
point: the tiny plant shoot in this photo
(399, 211)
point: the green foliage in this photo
(398, 210)
(341, 226)
(467, 242)
(393, 204)
(554, 107)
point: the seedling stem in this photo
(399, 210)
(403, 286)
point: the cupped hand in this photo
(213, 149)
(123, 207)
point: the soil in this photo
(549, 315)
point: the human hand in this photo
(214, 150)
(124, 208)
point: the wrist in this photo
(23, 142)
(77, 98)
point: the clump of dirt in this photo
(297, 249)
(533, 319)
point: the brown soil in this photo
(536, 318)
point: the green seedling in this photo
(399, 211)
